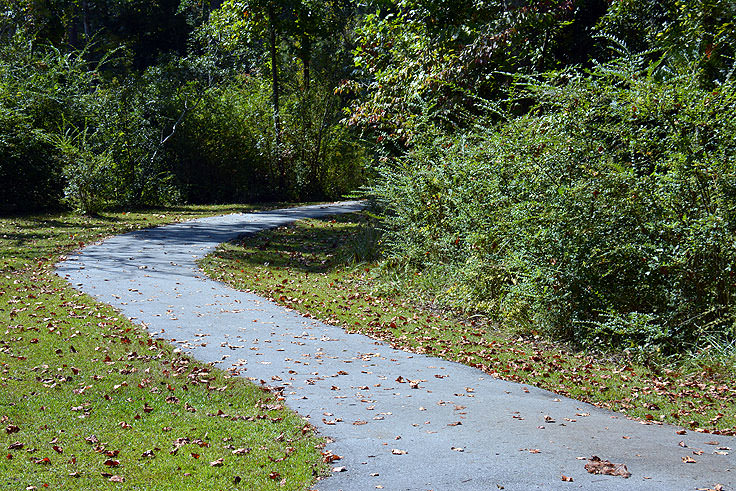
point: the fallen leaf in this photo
(117, 479)
(567, 478)
(396, 451)
(217, 463)
(339, 469)
(688, 460)
(597, 466)
(328, 457)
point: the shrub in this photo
(610, 204)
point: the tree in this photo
(268, 35)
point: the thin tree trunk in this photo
(276, 109)
(306, 61)
(85, 20)
(72, 31)
(317, 169)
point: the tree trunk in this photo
(306, 60)
(85, 20)
(276, 110)
(72, 31)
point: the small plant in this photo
(89, 175)
(364, 245)
(638, 334)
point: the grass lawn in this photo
(308, 267)
(89, 400)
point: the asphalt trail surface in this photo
(460, 429)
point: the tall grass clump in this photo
(603, 216)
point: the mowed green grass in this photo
(89, 400)
(309, 267)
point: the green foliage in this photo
(226, 150)
(681, 32)
(89, 175)
(70, 132)
(27, 168)
(95, 126)
(286, 140)
(364, 245)
(603, 216)
(435, 59)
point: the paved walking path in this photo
(459, 430)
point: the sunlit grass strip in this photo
(306, 267)
(90, 401)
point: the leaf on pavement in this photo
(597, 466)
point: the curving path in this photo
(459, 430)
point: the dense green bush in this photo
(68, 132)
(91, 128)
(27, 169)
(604, 216)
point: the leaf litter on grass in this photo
(89, 400)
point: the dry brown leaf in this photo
(597, 466)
